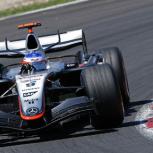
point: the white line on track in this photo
(44, 9)
(142, 118)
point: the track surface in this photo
(127, 24)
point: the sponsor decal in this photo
(32, 111)
(30, 80)
(28, 94)
(24, 81)
(31, 83)
(30, 89)
(31, 77)
(31, 101)
(71, 65)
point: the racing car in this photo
(42, 91)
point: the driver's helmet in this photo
(36, 59)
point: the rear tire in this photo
(114, 57)
(101, 85)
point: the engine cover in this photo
(31, 95)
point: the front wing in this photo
(67, 109)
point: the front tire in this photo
(101, 85)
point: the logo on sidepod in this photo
(28, 94)
(32, 111)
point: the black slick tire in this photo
(101, 86)
(114, 57)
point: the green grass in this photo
(35, 6)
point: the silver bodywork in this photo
(31, 93)
(30, 85)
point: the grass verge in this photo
(31, 7)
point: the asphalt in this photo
(126, 24)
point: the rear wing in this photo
(67, 40)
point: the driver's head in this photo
(36, 59)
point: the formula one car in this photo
(40, 91)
